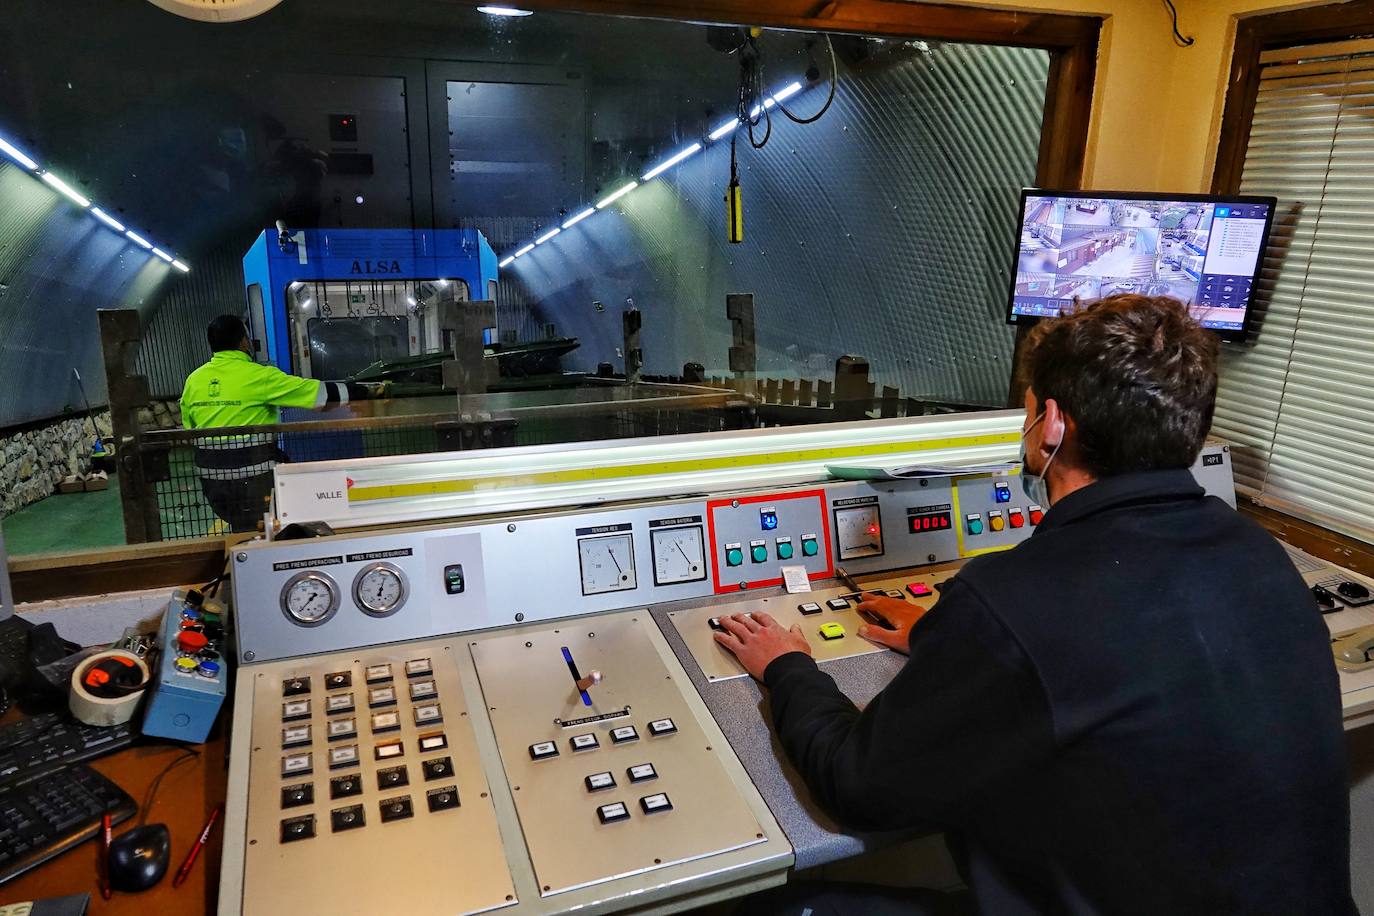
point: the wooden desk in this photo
(185, 799)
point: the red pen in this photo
(103, 872)
(196, 847)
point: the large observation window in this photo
(609, 227)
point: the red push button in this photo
(1036, 514)
(191, 641)
(1016, 518)
(919, 590)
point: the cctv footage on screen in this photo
(1077, 249)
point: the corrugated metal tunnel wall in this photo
(58, 264)
(885, 230)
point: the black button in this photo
(442, 798)
(809, 608)
(438, 768)
(295, 796)
(296, 685)
(392, 777)
(653, 804)
(615, 811)
(542, 750)
(298, 828)
(337, 680)
(642, 772)
(453, 579)
(344, 786)
(598, 781)
(624, 733)
(715, 624)
(396, 809)
(838, 604)
(662, 727)
(349, 818)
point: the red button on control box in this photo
(191, 641)
(1016, 518)
(919, 590)
(1036, 515)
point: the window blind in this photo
(1297, 401)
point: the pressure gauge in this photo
(380, 589)
(859, 532)
(608, 563)
(309, 599)
(679, 555)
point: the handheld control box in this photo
(192, 672)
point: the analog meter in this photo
(858, 532)
(679, 555)
(380, 589)
(309, 599)
(608, 563)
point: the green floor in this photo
(66, 521)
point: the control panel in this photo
(829, 619)
(192, 670)
(756, 534)
(368, 759)
(611, 770)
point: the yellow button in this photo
(832, 631)
(997, 523)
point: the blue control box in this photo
(189, 685)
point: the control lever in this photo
(867, 615)
(1355, 648)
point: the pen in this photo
(103, 872)
(196, 848)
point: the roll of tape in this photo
(94, 710)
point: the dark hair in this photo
(227, 332)
(1138, 376)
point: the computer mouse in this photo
(1353, 590)
(1326, 602)
(138, 857)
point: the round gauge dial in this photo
(608, 563)
(380, 589)
(679, 555)
(309, 599)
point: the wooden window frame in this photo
(1254, 36)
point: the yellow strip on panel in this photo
(654, 469)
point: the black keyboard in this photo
(50, 741)
(53, 813)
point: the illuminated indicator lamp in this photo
(579, 217)
(1002, 493)
(768, 519)
(65, 190)
(506, 261)
(872, 529)
(508, 12)
(17, 155)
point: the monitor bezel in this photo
(1226, 334)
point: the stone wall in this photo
(33, 461)
(160, 415)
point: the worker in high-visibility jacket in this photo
(233, 390)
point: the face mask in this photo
(1034, 485)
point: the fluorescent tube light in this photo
(506, 262)
(184, 268)
(526, 250)
(138, 239)
(547, 235)
(162, 254)
(107, 219)
(17, 155)
(579, 217)
(67, 190)
(616, 195)
(671, 161)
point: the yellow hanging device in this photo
(734, 203)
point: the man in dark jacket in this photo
(1135, 710)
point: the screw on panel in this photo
(510, 528)
(734, 504)
(241, 556)
(249, 656)
(930, 558)
(529, 645)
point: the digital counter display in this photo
(929, 521)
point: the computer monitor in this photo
(1077, 246)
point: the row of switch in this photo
(373, 674)
(996, 521)
(295, 796)
(348, 755)
(758, 550)
(347, 727)
(339, 703)
(351, 817)
(542, 750)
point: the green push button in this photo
(832, 631)
(809, 547)
(975, 526)
(734, 556)
(785, 550)
(759, 552)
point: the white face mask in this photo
(1035, 487)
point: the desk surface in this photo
(185, 799)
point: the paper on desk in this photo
(897, 472)
(794, 579)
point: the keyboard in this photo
(53, 813)
(48, 742)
